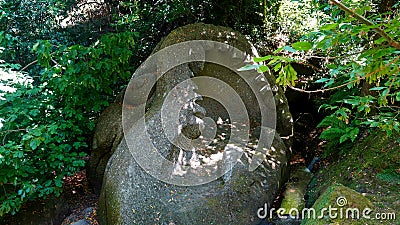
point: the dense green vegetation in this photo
(359, 51)
(62, 62)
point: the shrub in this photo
(47, 118)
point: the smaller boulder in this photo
(347, 207)
(88, 211)
(293, 197)
(81, 222)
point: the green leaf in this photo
(35, 143)
(273, 61)
(385, 92)
(377, 88)
(328, 121)
(35, 46)
(277, 67)
(34, 112)
(47, 183)
(291, 74)
(249, 67)
(289, 49)
(278, 50)
(324, 43)
(302, 45)
(58, 183)
(353, 133)
(262, 59)
(263, 69)
(322, 80)
(343, 138)
(332, 133)
(329, 26)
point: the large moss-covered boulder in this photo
(130, 195)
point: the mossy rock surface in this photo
(342, 200)
(293, 197)
(371, 167)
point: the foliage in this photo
(390, 176)
(47, 120)
(338, 133)
(361, 56)
(298, 17)
(152, 20)
(23, 22)
(284, 22)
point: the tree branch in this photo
(364, 20)
(16, 130)
(9, 131)
(31, 63)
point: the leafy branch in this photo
(9, 131)
(364, 20)
(351, 82)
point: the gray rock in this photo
(130, 195)
(71, 217)
(88, 212)
(108, 135)
(137, 196)
(81, 222)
